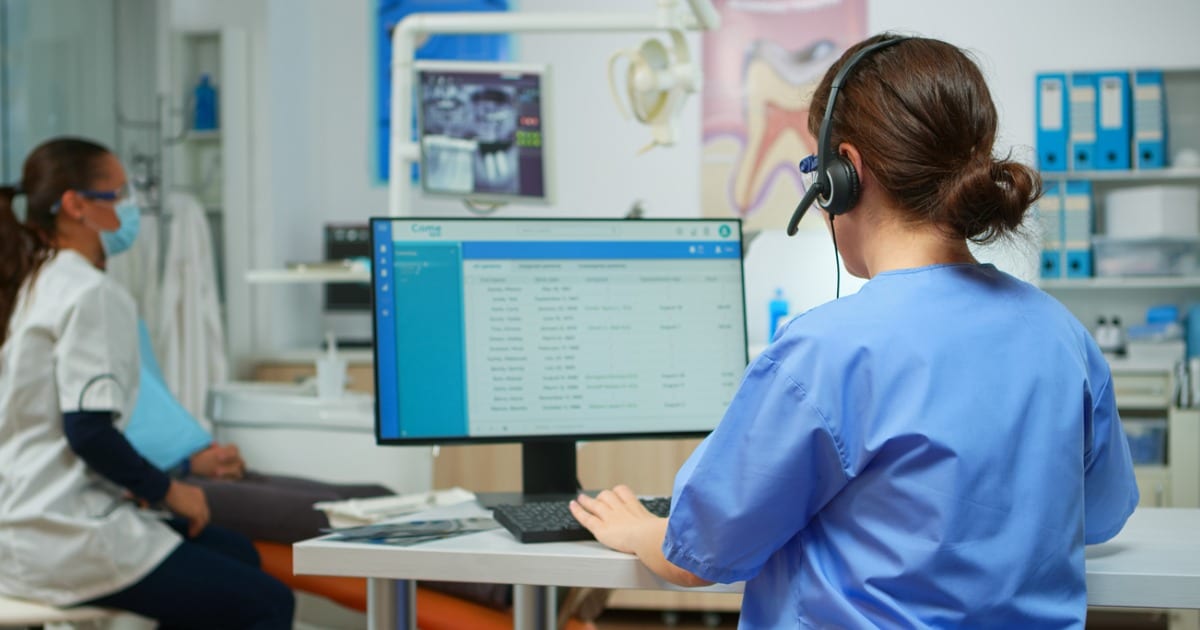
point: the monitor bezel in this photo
(558, 437)
(544, 86)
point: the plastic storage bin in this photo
(1147, 440)
(1146, 257)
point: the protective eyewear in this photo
(114, 196)
(808, 172)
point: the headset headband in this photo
(824, 148)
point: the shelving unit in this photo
(1146, 390)
(212, 135)
(1123, 283)
(1137, 176)
(213, 165)
(305, 276)
(1128, 297)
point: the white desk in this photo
(1153, 563)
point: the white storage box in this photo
(1146, 257)
(1152, 211)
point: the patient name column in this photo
(495, 305)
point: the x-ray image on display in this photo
(481, 132)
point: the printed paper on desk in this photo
(412, 532)
(365, 511)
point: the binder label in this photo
(1052, 93)
(1112, 112)
(1147, 113)
(1083, 114)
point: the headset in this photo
(836, 186)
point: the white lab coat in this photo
(191, 336)
(66, 534)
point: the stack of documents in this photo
(366, 511)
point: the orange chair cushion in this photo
(435, 611)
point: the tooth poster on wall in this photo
(760, 69)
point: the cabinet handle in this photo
(1158, 495)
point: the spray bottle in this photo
(777, 311)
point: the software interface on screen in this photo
(507, 328)
(481, 132)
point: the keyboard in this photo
(551, 521)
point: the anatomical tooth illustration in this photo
(777, 86)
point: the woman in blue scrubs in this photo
(934, 450)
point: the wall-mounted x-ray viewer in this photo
(483, 130)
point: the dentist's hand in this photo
(189, 502)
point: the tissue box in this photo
(1152, 211)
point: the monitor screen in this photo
(482, 130)
(529, 329)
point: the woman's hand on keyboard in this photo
(618, 519)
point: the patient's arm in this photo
(617, 519)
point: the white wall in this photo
(314, 113)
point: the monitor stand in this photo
(547, 474)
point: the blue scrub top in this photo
(934, 450)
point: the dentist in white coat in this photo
(71, 530)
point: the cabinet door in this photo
(1183, 456)
(1154, 486)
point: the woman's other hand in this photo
(189, 502)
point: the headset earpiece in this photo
(843, 187)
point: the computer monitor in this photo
(483, 130)
(545, 332)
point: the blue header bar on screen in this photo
(598, 250)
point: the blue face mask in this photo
(123, 237)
